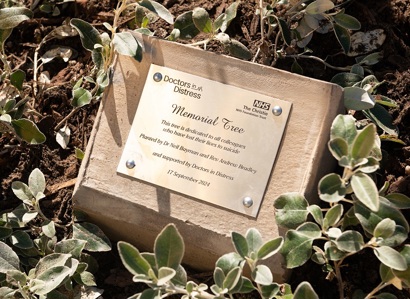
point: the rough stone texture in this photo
(134, 211)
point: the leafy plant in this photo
(298, 23)
(12, 107)
(373, 220)
(34, 264)
(163, 273)
(191, 23)
(360, 94)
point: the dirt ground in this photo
(60, 166)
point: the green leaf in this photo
(382, 118)
(317, 214)
(4, 35)
(262, 275)
(344, 126)
(238, 50)
(347, 21)
(230, 14)
(81, 97)
(333, 253)
(346, 79)
(149, 294)
(332, 188)
(70, 246)
(126, 44)
(369, 219)
(350, 241)
(49, 280)
(49, 261)
(372, 59)
(371, 166)
(270, 248)
(202, 20)
(285, 31)
(21, 239)
(343, 36)
(169, 248)
(296, 249)
(385, 101)
(386, 273)
(310, 229)
(390, 258)
(319, 6)
(158, 9)
(333, 216)
(232, 278)
(385, 228)
(291, 209)
(85, 278)
(229, 261)
(399, 200)
(244, 286)
(97, 241)
(17, 79)
(79, 154)
(223, 20)
(357, 69)
(88, 34)
(305, 291)
(10, 17)
(356, 98)
(240, 244)
(338, 148)
(185, 24)
(5, 232)
(28, 131)
(364, 142)
(219, 277)
(254, 240)
(165, 274)
(36, 182)
(9, 260)
(132, 260)
(23, 192)
(270, 291)
(365, 190)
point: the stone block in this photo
(135, 211)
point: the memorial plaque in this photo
(205, 139)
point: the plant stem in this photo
(339, 279)
(61, 123)
(337, 68)
(377, 289)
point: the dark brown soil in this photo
(60, 166)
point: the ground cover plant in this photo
(51, 82)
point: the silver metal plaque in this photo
(208, 140)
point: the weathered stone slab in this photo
(135, 211)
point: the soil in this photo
(52, 101)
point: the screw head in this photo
(277, 110)
(157, 77)
(247, 201)
(130, 164)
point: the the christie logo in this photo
(261, 105)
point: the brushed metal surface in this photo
(205, 139)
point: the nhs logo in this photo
(261, 105)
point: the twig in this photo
(53, 189)
(61, 123)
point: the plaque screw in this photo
(130, 164)
(277, 110)
(157, 77)
(247, 202)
